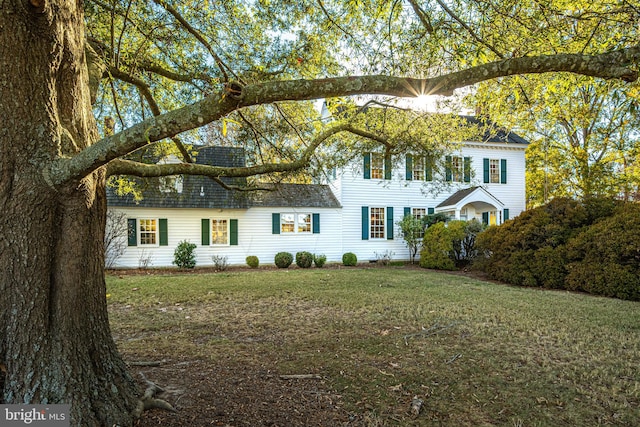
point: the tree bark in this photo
(54, 333)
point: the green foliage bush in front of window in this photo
(304, 259)
(319, 260)
(252, 261)
(437, 246)
(184, 256)
(283, 259)
(349, 259)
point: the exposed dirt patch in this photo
(207, 394)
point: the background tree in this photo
(159, 71)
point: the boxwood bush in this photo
(304, 259)
(319, 260)
(252, 261)
(283, 259)
(349, 259)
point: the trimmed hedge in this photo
(349, 259)
(319, 260)
(304, 259)
(252, 261)
(283, 259)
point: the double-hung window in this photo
(377, 166)
(495, 171)
(377, 223)
(296, 223)
(419, 168)
(219, 231)
(418, 213)
(147, 232)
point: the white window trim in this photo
(139, 232)
(499, 174)
(384, 223)
(381, 156)
(296, 224)
(455, 171)
(211, 243)
(413, 212)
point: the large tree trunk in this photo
(54, 334)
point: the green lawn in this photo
(476, 353)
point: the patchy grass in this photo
(476, 353)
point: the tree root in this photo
(148, 400)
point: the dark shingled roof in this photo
(202, 192)
(197, 191)
(494, 133)
(303, 195)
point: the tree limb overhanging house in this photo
(355, 209)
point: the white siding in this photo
(254, 236)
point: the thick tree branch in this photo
(609, 65)
(127, 167)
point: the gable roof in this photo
(204, 193)
(469, 195)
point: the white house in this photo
(355, 211)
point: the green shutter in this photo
(485, 164)
(205, 231)
(467, 169)
(503, 171)
(387, 166)
(316, 223)
(233, 232)
(389, 223)
(428, 170)
(164, 235)
(485, 217)
(447, 168)
(275, 223)
(431, 211)
(365, 223)
(407, 211)
(409, 167)
(505, 215)
(132, 232)
(367, 166)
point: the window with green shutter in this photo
(275, 223)
(365, 223)
(389, 223)
(367, 166)
(233, 232)
(409, 167)
(163, 231)
(316, 223)
(205, 231)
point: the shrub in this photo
(385, 257)
(319, 260)
(220, 262)
(412, 231)
(283, 259)
(253, 261)
(349, 259)
(304, 259)
(437, 247)
(184, 255)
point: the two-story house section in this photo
(357, 211)
(484, 180)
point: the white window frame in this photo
(377, 166)
(419, 169)
(155, 233)
(213, 229)
(419, 213)
(457, 169)
(494, 171)
(377, 223)
(297, 221)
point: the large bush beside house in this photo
(283, 259)
(184, 256)
(591, 246)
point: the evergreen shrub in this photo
(283, 259)
(184, 255)
(252, 261)
(304, 259)
(349, 259)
